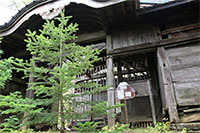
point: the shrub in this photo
(161, 127)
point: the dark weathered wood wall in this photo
(179, 73)
(139, 34)
(185, 65)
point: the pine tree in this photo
(12, 105)
(6, 70)
(55, 64)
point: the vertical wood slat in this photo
(110, 81)
(166, 85)
(151, 102)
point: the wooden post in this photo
(110, 81)
(126, 110)
(120, 79)
(166, 85)
(151, 102)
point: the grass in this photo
(144, 130)
(133, 130)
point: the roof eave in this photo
(48, 9)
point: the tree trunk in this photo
(29, 94)
(62, 129)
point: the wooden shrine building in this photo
(153, 47)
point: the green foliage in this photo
(161, 127)
(6, 70)
(18, 131)
(14, 106)
(7, 101)
(92, 127)
(87, 126)
(184, 130)
(101, 108)
(10, 123)
(118, 128)
(55, 64)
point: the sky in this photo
(7, 13)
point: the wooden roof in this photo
(92, 16)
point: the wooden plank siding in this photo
(136, 35)
(169, 42)
(185, 64)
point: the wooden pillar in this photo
(166, 85)
(110, 82)
(154, 90)
(152, 102)
(120, 79)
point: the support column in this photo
(110, 82)
(120, 79)
(166, 85)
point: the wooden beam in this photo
(152, 46)
(164, 7)
(127, 65)
(85, 77)
(188, 126)
(137, 119)
(91, 37)
(181, 29)
(110, 81)
(191, 110)
(166, 84)
(99, 46)
(191, 117)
